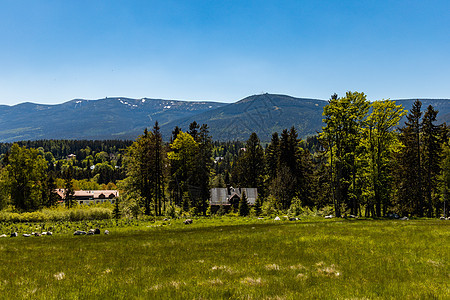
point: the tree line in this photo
(362, 163)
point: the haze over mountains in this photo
(124, 118)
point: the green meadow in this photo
(232, 258)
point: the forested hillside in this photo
(109, 118)
(124, 118)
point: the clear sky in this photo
(55, 51)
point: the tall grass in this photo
(225, 258)
(78, 213)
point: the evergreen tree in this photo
(258, 206)
(193, 130)
(157, 165)
(204, 168)
(431, 156)
(243, 205)
(251, 164)
(50, 196)
(69, 191)
(408, 170)
(444, 180)
(272, 156)
(175, 133)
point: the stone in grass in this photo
(277, 218)
(188, 221)
(79, 232)
(26, 235)
(3, 235)
(329, 217)
(90, 233)
(404, 219)
(106, 231)
(14, 234)
(97, 231)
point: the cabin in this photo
(230, 197)
(84, 197)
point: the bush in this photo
(268, 207)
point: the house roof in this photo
(221, 196)
(95, 194)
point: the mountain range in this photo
(125, 118)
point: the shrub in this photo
(268, 207)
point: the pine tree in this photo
(258, 206)
(431, 158)
(408, 170)
(243, 205)
(50, 195)
(204, 167)
(157, 166)
(272, 156)
(69, 191)
(251, 164)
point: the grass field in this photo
(231, 258)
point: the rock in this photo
(14, 234)
(79, 232)
(106, 231)
(90, 233)
(442, 218)
(97, 231)
(352, 216)
(329, 217)
(393, 216)
(91, 230)
(188, 221)
(3, 235)
(166, 219)
(49, 233)
(260, 218)
(277, 218)
(26, 235)
(404, 218)
(294, 219)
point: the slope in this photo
(109, 118)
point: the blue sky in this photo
(54, 51)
